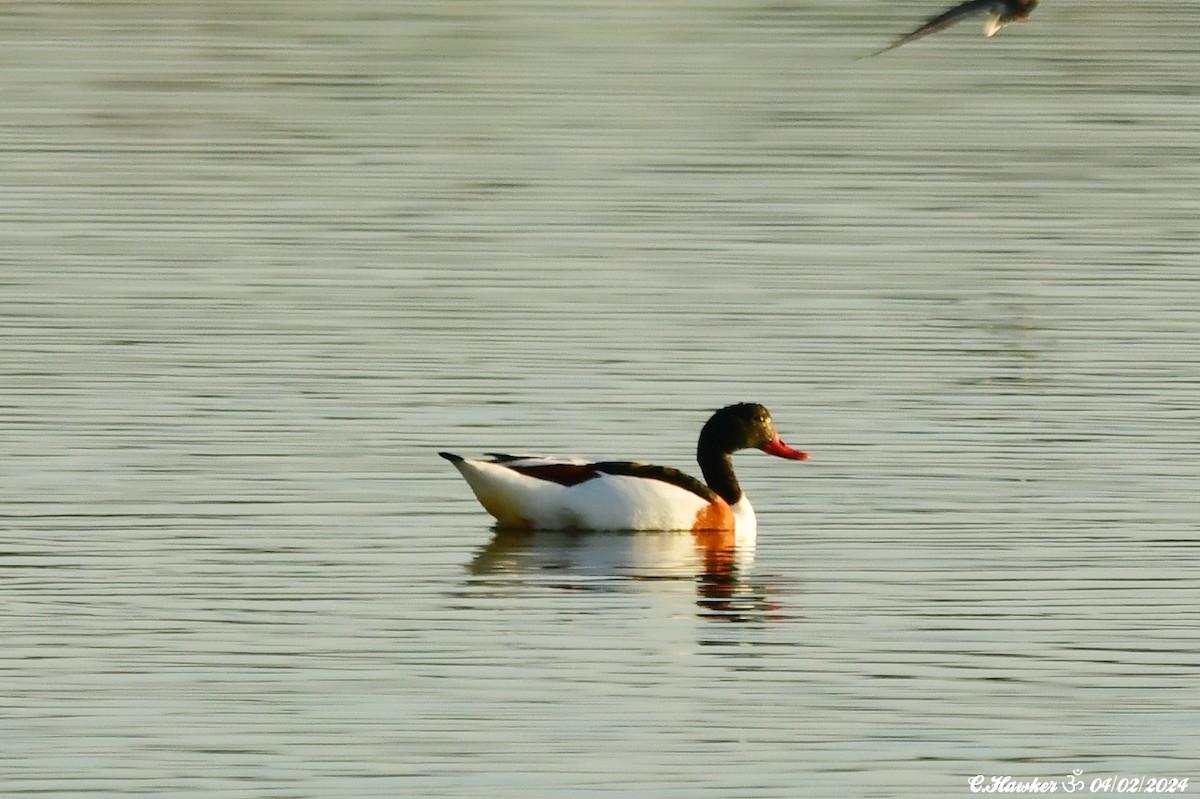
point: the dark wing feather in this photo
(567, 474)
(946, 19)
(664, 473)
(504, 457)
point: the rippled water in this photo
(261, 261)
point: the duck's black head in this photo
(743, 426)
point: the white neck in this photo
(745, 522)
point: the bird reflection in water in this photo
(715, 561)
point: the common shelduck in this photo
(534, 492)
(1000, 13)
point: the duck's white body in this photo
(511, 491)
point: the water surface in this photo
(260, 262)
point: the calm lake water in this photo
(261, 261)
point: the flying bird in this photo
(1000, 13)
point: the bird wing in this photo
(946, 19)
(573, 471)
(532, 459)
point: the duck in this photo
(1000, 13)
(534, 492)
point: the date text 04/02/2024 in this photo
(1074, 784)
